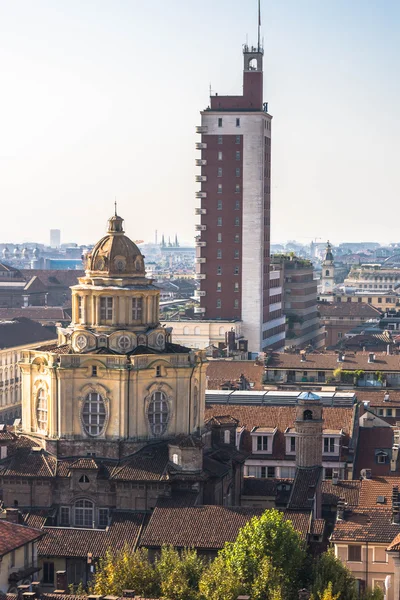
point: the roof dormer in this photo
(263, 439)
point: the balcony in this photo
(201, 129)
(199, 227)
(201, 194)
(201, 162)
(201, 145)
(201, 178)
(199, 293)
(200, 261)
(200, 211)
(200, 244)
(199, 310)
(200, 276)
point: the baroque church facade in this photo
(115, 373)
(113, 414)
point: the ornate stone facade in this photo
(115, 373)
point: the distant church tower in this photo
(308, 427)
(328, 271)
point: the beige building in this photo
(18, 552)
(115, 373)
(16, 335)
(373, 277)
(202, 334)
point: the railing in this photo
(201, 146)
(200, 260)
(200, 211)
(201, 129)
(200, 227)
(201, 162)
(200, 178)
(199, 309)
(201, 244)
(201, 194)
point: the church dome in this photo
(115, 254)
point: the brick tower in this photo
(308, 426)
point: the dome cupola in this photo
(115, 255)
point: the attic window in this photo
(84, 479)
(381, 500)
(381, 458)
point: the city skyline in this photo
(80, 81)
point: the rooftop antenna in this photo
(259, 23)
(115, 206)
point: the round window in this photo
(94, 414)
(81, 342)
(124, 342)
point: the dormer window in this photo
(331, 441)
(227, 436)
(262, 439)
(329, 445)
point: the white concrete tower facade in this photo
(233, 245)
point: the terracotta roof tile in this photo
(304, 487)
(205, 526)
(347, 489)
(26, 462)
(148, 464)
(376, 397)
(219, 372)
(13, 536)
(85, 464)
(379, 486)
(366, 525)
(22, 331)
(328, 361)
(282, 417)
(362, 310)
(67, 541)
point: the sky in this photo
(100, 99)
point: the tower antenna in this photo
(115, 206)
(259, 24)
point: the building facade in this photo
(116, 362)
(300, 302)
(233, 245)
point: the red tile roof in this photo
(14, 536)
(329, 361)
(366, 525)
(67, 541)
(360, 310)
(347, 489)
(304, 488)
(282, 417)
(376, 397)
(206, 527)
(219, 372)
(26, 462)
(148, 464)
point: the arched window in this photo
(41, 410)
(175, 459)
(186, 331)
(84, 514)
(327, 273)
(197, 331)
(94, 414)
(221, 331)
(158, 413)
(307, 415)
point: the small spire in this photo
(115, 206)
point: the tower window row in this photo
(219, 204)
(220, 141)
(107, 308)
(219, 303)
(237, 156)
(220, 122)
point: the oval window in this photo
(158, 413)
(94, 414)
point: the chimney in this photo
(61, 582)
(386, 397)
(365, 474)
(335, 477)
(395, 505)
(12, 515)
(395, 455)
(388, 349)
(29, 595)
(21, 589)
(303, 356)
(341, 505)
(35, 587)
(371, 357)
(340, 356)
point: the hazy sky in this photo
(100, 98)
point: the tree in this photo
(125, 570)
(328, 594)
(179, 573)
(330, 570)
(268, 553)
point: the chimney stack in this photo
(341, 505)
(371, 357)
(21, 589)
(12, 515)
(61, 582)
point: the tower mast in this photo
(259, 24)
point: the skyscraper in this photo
(55, 238)
(233, 245)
